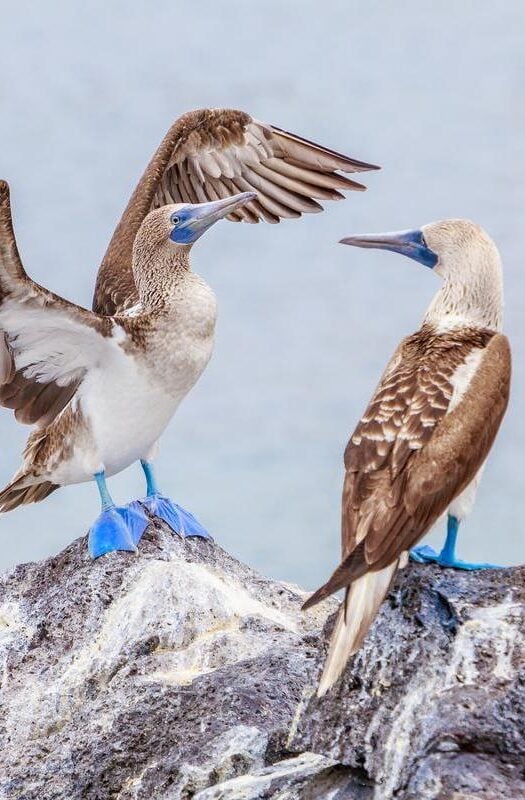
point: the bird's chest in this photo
(181, 345)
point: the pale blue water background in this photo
(432, 91)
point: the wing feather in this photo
(210, 164)
(296, 184)
(286, 200)
(319, 180)
(187, 191)
(48, 343)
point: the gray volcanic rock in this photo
(433, 706)
(180, 673)
(149, 675)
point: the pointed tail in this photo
(24, 489)
(361, 604)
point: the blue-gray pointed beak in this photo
(194, 220)
(409, 243)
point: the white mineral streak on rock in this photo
(12, 624)
(301, 705)
(209, 638)
(242, 743)
(257, 785)
(496, 628)
(197, 615)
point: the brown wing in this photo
(408, 458)
(33, 322)
(215, 153)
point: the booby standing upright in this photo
(419, 449)
(102, 385)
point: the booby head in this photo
(447, 246)
(189, 221)
(161, 248)
(463, 254)
(183, 223)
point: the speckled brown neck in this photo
(158, 274)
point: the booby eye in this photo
(175, 219)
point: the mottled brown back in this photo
(408, 459)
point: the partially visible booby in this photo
(419, 449)
(102, 385)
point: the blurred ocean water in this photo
(432, 92)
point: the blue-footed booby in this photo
(419, 449)
(102, 385)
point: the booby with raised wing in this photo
(420, 447)
(102, 385)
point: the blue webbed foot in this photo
(179, 520)
(117, 528)
(424, 555)
(427, 555)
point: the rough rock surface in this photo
(180, 673)
(434, 704)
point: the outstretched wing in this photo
(46, 343)
(215, 153)
(423, 438)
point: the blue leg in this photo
(151, 484)
(447, 556)
(116, 528)
(179, 520)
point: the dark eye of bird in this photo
(175, 219)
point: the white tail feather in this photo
(362, 604)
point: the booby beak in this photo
(194, 220)
(409, 243)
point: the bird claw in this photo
(180, 521)
(117, 528)
(427, 555)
